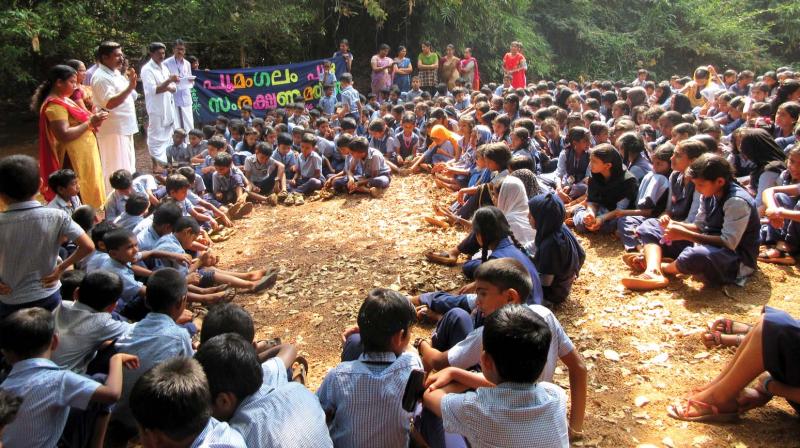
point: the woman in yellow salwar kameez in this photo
(66, 136)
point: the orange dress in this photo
(511, 62)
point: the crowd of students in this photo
(695, 176)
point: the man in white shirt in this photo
(115, 93)
(178, 65)
(159, 85)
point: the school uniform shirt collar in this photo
(24, 205)
(510, 385)
(27, 365)
(381, 357)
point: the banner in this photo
(224, 92)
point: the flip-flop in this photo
(727, 326)
(300, 372)
(635, 261)
(785, 260)
(716, 339)
(441, 258)
(266, 282)
(246, 209)
(714, 417)
(230, 294)
(644, 282)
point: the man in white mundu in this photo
(159, 85)
(178, 65)
(115, 93)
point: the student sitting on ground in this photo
(264, 413)
(84, 324)
(172, 406)
(135, 208)
(380, 374)
(611, 188)
(266, 175)
(781, 235)
(50, 394)
(65, 184)
(721, 246)
(376, 174)
(510, 406)
(559, 256)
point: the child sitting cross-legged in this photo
(510, 406)
(172, 406)
(499, 282)
(266, 175)
(265, 413)
(362, 398)
(196, 195)
(135, 209)
(308, 177)
(720, 247)
(49, 393)
(230, 189)
(376, 173)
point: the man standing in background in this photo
(177, 64)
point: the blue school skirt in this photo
(781, 347)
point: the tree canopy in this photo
(572, 38)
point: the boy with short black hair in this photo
(83, 321)
(266, 174)
(154, 339)
(376, 173)
(135, 208)
(164, 217)
(327, 104)
(197, 143)
(264, 413)
(228, 185)
(28, 228)
(28, 341)
(200, 199)
(178, 188)
(96, 259)
(308, 178)
(415, 91)
(178, 152)
(64, 183)
(511, 407)
(122, 183)
(172, 407)
(372, 414)
(351, 99)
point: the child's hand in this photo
(674, 232)
(182, 258)
(193, 278)
(51, 279)
(589, 220)
(439, 379)
(4, 289)
(664, 220)
(255, 189)
(227, 221)
(349, 332)
(460, 197)
(131, 362)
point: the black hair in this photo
(664, 152)
(384, 313)
(521, 162)
(176, 182)
(708, 140)
(597, 127)
(165, 288)
(577, 133)
(492, 226)
(227, 318)
(27, 333)
(515, 329)
(188, 173)
(692, 148)
(498, 153)
(685, 128)
(222, 159)
(137, 204)
(506, 273)
(84, 217)
(70, 281)
(346, 77)
(309, 138)
(121, 179)
(711, 167)
(231, 365)
(116, 238)
(19, 177)
(57, 73)
(284, 139)
(60, 179)
(359, 144)
(172, 398)
(218, 143)
(99, 231)
(186, 222)
(264, 148)
(197, 133)
(632, 146)
(99, 289)
(377, 125)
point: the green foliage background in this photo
(586, 39)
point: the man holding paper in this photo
(159, 85)
(178, 65)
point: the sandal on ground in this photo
(436, 222)
(726, 326)
(266, 344)
(776, 256)
(713, 339)
(750, 398)
(644, 282)
(679, 412)
(299, 370)
(635, 261)
(441, 257)
(229, 295)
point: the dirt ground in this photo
(638, 347)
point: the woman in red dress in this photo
(515, 65)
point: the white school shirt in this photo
(81, 330)
(106, 84)
(183, 96)
(160, 106)
(467, 353)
